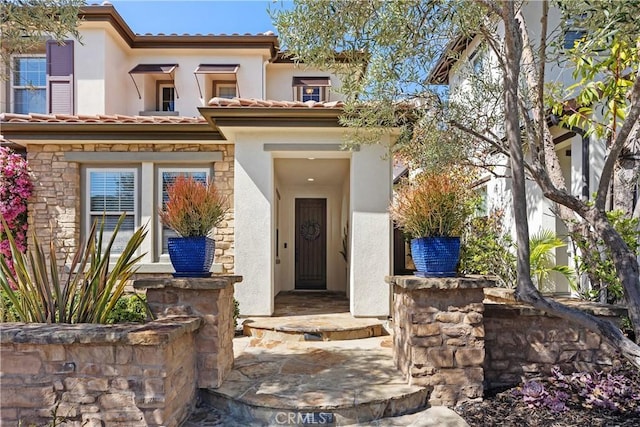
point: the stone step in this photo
(315, 327)
(346, 382)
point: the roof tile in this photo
(260, 103)
(99, 118)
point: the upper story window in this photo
(225, 90)
(164, 98)
(29, 84)
(219, 80)
(311, 88)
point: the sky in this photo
(198, 16)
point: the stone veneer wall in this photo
(56, 198)
(96, 375)
(439, 336)
(458, 339)
(523, 343)
(209, 298)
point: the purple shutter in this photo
(60, 77)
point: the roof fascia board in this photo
(136, 41)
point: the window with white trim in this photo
(225, 90)
(29, 84)
(110, 193)
(166, 97)
(166, 177)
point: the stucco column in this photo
(253, 190)
(370, 249)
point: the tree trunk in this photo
(526, 290)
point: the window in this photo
(29, 84)
(311, 88)
(311, 93)
(112, 192)
(166, 177)
(571, 37)
(166, 97)
(224, 90)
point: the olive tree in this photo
(391, 48)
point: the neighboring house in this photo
(581, 157)
(109, 121)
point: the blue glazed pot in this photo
(436, 256)
(191, 256)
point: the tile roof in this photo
(260, 103)
(100, 118)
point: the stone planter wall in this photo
(211, 299)
(96, 375)
(458, 337)
(439, 335)
(523, 343)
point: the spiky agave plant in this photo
(86, 294)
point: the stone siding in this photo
(439, 337)
(523, 343)
(95, 375)
(211, 299)
(55, 208)
(457, 337)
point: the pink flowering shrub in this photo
(16, 187)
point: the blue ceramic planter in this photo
(436, 256)
(191, 256)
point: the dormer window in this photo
(311, 88)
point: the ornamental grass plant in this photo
(193, 208)
(434, 204)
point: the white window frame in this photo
(87, 202)
(164, 257)
(218, 85)
(161, 100)
(15, 87)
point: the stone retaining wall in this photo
(523, 343)
(439, 336)
(96, 375)
(209, 298)
(458, 339)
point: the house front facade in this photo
(109, 120)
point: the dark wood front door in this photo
(311, 243)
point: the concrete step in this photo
(314, 327)
(345, 382)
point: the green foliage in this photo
(130, 308)
(487, 249)
(87, 294)
(434, 203)
(542, 246)
(594, 258)
(605, 64)
(236, 312)
(26, 23)
(8, 311)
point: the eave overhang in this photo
(102, 132)
(271, 117)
